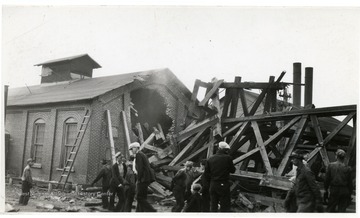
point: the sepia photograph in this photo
(179, 108)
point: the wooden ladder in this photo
(74, 150)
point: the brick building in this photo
(42, 120)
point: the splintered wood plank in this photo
(196, 128)
(261, 145)
(216, 104)
(292, 143)
(352, 144)
(161, 131)
(141, 135)
(147, 141)
(153, 148)
(187, 147)
(210, 93)
(316, 126)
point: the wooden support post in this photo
(111, 139)
(268, 99)
(245, 163)
(141, 136)
(126, 131)
(227, 100)
(261, 145)
(243, 102)
(294, 140)
(188, 146)
(194, 97)
(234, 98)
(352, 144)
(237, 137)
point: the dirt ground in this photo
(58, 201)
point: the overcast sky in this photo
(193, 42)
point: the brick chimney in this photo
(67, 69)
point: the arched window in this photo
(70, 131)
(38, 141)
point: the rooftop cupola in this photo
(67, 69)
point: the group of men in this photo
(127, 179)
(214, 184)
(305, 195)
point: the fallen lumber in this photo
(91, 204)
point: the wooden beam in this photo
(320, 112)
(111, 139)
(273, 138)
(234, 98)
(319, 136)
(196, 128)
(245, 164)
(277, 182)
(292, 143)
(338, 128)
(352, 144)
(126, 130)
(212, 91)
(147, 141)
(161, 131)
(264, 200)
(153, 148)
(227, 100)
(261, 145)
(267, 104)
(194, 154)
(187, 147)
(236, 138)
(194, 96)
(141, 135)
(171, 168)
(243, 102)
(253, 85)
(165, 152)
(232, 129)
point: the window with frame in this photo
(38, 141)
(70, 132)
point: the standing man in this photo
(180, 184)
(130, 181)
(217, 173)
(145, 176)
(118, 171)
(26, 183)
(305, 190)
(105, 175)
(338, 178)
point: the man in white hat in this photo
(145, 176)
(26, 184)
(118, 171)
(217, 173)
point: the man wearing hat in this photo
(338, 180)
(105, 175)
(305, 190)
(26, 183)
(217, 173)
(118, 171)
(145, 176)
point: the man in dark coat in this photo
(338, 179)
(178, 187)
(217, 173)
(145, 176)
(26, 184)
(305, 189)
(105, 175)
(118, 171)
(130, 181)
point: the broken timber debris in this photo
(261, 130)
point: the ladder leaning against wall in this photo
(74, 150)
